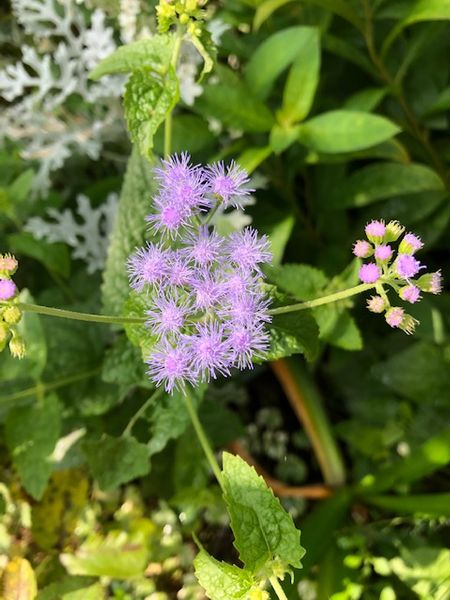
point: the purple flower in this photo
(362, 249)
(394, 316)
(248, 309)
(167, 316)
(228, 183)
(170, 216)
(247, 344)
(375, 231)
(203, 247)
(8, 289)
(178, 270)
(170, 365)
(207, 290)
(369, 273)
(407, 266)
(246, 250)
(383, 252)
(210, 351)
(436, 283)
(147, 265)
(410, 293)
(410, 244)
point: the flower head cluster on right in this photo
(206, 309)
(399, 269)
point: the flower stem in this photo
(168, 121)
(277, 588)
(138, 414)
(204, 442)
(353, 291)
(77, 316)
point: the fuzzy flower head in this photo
(396, 268)
(8, 265)
(206, 308)
(8, 289)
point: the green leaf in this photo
(385, 180)
(189, 134)
(303, 78)
(265, 10)
(118, 555)
(338, 327)
(302, 282)
(123, 366)
(206, 49)
(154, 52)
(282, 137)
(263, 530)
(220, 580)
(432, 505)
(345, 131)
(251, 158)
(236, 106)
(427, 382)
(293, 333)
(147, 102)
(54, 257)
(18, 581)
(114, 461)
(278, 225)
(93, 592)
(31, 433)
(366, 100)
(128, 231)
(341, 8)
(20, 188)
(434, 454)
(60, 590)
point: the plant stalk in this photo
(277, 588)
(168, 121)
(138, 414)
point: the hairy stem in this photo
(277, 588)
(77, 316)
(138, 414)
(353, 291)
(202, 438)
(168, 121)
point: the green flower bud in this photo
(12, 315)
(17, 347)
(393, 231)
(4, 334)
(408, 324)
(430, 282)
(258, 594)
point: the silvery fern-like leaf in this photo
(46, 17)
(86, 230)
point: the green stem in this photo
(47, 387)
(363, 287)
(77, 316)
(277, 588)
(168, 121)
(128, 429)
(204, 442)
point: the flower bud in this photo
(17, 347)
(430, 282)
(257, 593)
(362, 249)
(375, 231)
(394, 316)
(410, 293)
(376, 304)
(8, 289)
(410, 244)
(408, 324)
(383, 253)
(8, 265)
(4, 334)
(12, 315)
(393, 231)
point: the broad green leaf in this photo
(118, 555)
(342, 8)
(302, 282)
(123, 366)
(442, 102)
(427, 382)
(114, 461)
(61, 589)
(263, 530)
(18, 581)
(432, 505)
(154, 52)
(344, 49)
(273, 56)
(293, 333)
(345, 131)
(54, 257)
(31, 433)
(93, 592)
(221, 424)
(338, 327)
(421, 10)
(366, 100)
(147, 102)
(235, 105)
(19, 189)
(385, 180)
(278, 225)
(434, 454)
(128, 232)
(426, 571)
(170, 419)
(251, 158)
(282, 137)
(265, 10)
(303, 77)
(220, 580)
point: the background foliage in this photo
(339, 109)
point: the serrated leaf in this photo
(114, 461)
(18, 581)
(123, 366)
(345, 131)
(31, 433)
(385, 180)
(147, 101)
(154, 52)
(220, 580)
(302, 282)
(128, 232)
(293, 333)
(263, 530)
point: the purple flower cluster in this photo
(206, 305)
(399, 271)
